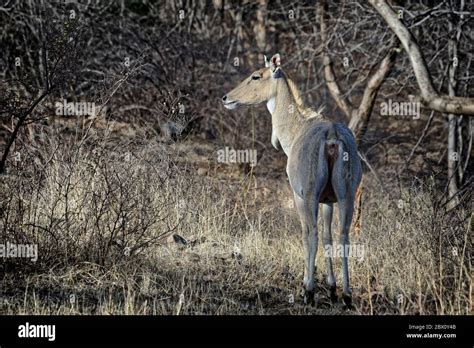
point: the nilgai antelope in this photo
(323, 165)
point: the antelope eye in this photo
(255, 77)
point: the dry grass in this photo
(104, 222)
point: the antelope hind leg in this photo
(327, 210)
(310, 246)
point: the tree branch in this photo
(361, 117)
(429, 96)
(20, 122)
(329, 75)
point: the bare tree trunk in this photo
(453, 160)
(260, 30)
(454, 156)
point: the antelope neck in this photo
(286, 118)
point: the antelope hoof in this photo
(333, 294)
(308, 297)
(347, 298)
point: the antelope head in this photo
(259, 87)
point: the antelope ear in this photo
(275, 62)
(267, 62)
